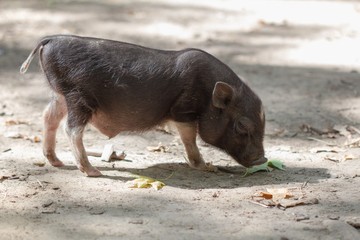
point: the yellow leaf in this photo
(157, 185)
(145, 182)
(348, 157)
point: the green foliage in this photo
(268, 166)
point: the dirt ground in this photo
(301, 57)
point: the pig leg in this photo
(188, 133)
(75, 129)
(53, 113)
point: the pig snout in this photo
(258, 161)
(248, 161)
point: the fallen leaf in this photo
(34, 139)
(39, 164)
(282, 197)
(157, 185)
(14, 122)
(266, 195)
(145, 182)
(278, 193)
(286, 203)
(267, 166)
(349, 157)
(257, 168)
(17, 135)
(159, 148)
(276, 164)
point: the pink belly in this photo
(106, 125)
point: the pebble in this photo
(47, 204)
(136, 221)
(331, 217)
(96, 211)
(301, 217)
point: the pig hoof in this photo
(210, 168)
(93, 172)
(57, 163)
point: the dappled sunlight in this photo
(301, 57)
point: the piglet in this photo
(117, 86)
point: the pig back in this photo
(126, 82)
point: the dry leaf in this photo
(157, 185)
(278, 193)
(34, 139)
(266, 195)
(14, 122)
(349, 157)
(282, 197)
(286, 203)
(159, 148)
(39, 164)
(17, 135)
(145, 182)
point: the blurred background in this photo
(301, 57)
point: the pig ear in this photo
(222, 95)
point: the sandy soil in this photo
(301, 57)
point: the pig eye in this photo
(240, 128)
(244, 125)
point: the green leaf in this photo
(267, 166)
(257, 168)
(276, 164)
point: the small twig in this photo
(355, 129)
(40, 183)
(171, 174)
(331, 159)
(322, 141)
(318, 131)
(304, 184)
(356, 141)
(260, 204)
